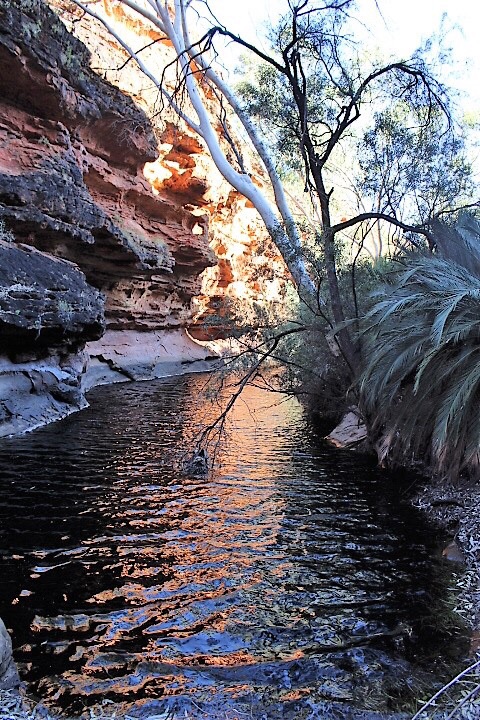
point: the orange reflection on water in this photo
(240, 657)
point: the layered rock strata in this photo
(249, 275)
(47, 313)
(72, 153)
(94, 171)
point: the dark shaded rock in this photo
(34, 41)
(45, 302)
(47, 314)
(197, 466)
(72, 153)
(40, 391)
(8, 672)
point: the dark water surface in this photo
(288, 584)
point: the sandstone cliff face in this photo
(72, 153)
(73, 149)
(249, 280)
(95, 173)
(248, 270)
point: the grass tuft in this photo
(459, 699)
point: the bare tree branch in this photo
(362, 217)
(87, 9)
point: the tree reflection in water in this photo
(289, 578)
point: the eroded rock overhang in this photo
(73, 149)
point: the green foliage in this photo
(412, 166)
(313, 366)
(421, 384)
(374, 143)
(404, 155)
(315, 374)
(271, 99)
(268, 99)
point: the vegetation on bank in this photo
(388, 296)
(420, 388)
(404, 346)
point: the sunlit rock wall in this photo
(72, 154)
(248, 274)
(95, 171)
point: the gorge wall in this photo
(106, 224)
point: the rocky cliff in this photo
(248, 272)
(107, 222)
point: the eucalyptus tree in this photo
(322, 93)
(412, 169)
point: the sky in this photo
(402, 26)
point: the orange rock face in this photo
(73, 149)
(247, 270)
(136, 203)
(94, 172)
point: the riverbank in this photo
(455, 509)
(15, 705)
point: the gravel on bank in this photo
(456, 509)
(15, 705)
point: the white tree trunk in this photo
(278, 220)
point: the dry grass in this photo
(457, 700)
(15, 706)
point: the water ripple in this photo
(290, 578)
